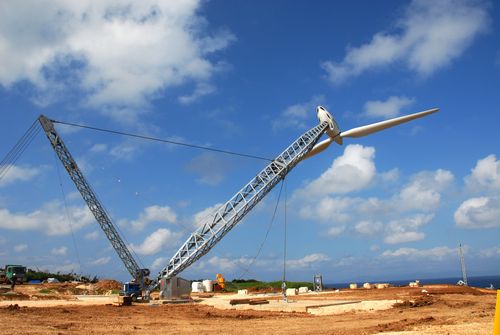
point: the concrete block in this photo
(303, 289)
(242, 292)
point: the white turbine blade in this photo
(374, 127)
(319, 147)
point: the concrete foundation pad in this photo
(316, 307)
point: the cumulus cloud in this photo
(50, 219)
(369, 227)
(424, 190)
(398, 219)
(298, 116)
(481, 212)
(307, 261)
(485, 176)
(429, 36)
(119, 53)
(152, 214)
(206, 215)
(437, 253)
(406, 229)
(18, 173)
(160, 239)
(387, 109)
(59, 251)
(352, 171)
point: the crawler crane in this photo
(228, 215)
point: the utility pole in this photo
(462, 264)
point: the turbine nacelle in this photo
(334, 133)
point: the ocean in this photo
(480, 281)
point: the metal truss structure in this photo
(92, 201)
(228, 215)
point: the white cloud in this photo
(206, 215)
(99, 147)
(20, 247)
(335, 231)
(307, 261)
(59, 251)
(352, 171)
(228, 264)
(424, 190)
(387, 109)
(18, 173)
(437, 253)
(406, 229)
(299, 116)
(101, 261)
(159, 263)
(120, 53)
(160, 239)
(201, 90)
(490, 252)
(369, 227)
(329, 209)
(485, 176)
(92, 235)
(210, 168)
(429, 36)
(152, 214)
(51, 219)
(482, 212)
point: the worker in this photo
(13, 280)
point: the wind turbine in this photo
(335, 135)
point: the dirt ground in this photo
(437, 309)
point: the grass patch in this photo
(255, 285)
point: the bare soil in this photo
(441, 310)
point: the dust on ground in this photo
(434, 309)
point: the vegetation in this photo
(255, 285)
(62, 277)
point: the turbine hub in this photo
(324, 116)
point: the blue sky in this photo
(247, 76)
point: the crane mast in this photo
(228, 215)
(140, 275)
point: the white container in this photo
(196, 287)
(353, 286)
(291, 291)
(367, 285)
(242, 292)
(382, 285)
(303, 289)
(208, 285)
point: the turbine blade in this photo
(319, 147)
(374, 127)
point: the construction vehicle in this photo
(13, 272)
(228, 215)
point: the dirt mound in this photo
(424, 301)
(107, 284)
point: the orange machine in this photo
(220, 281)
